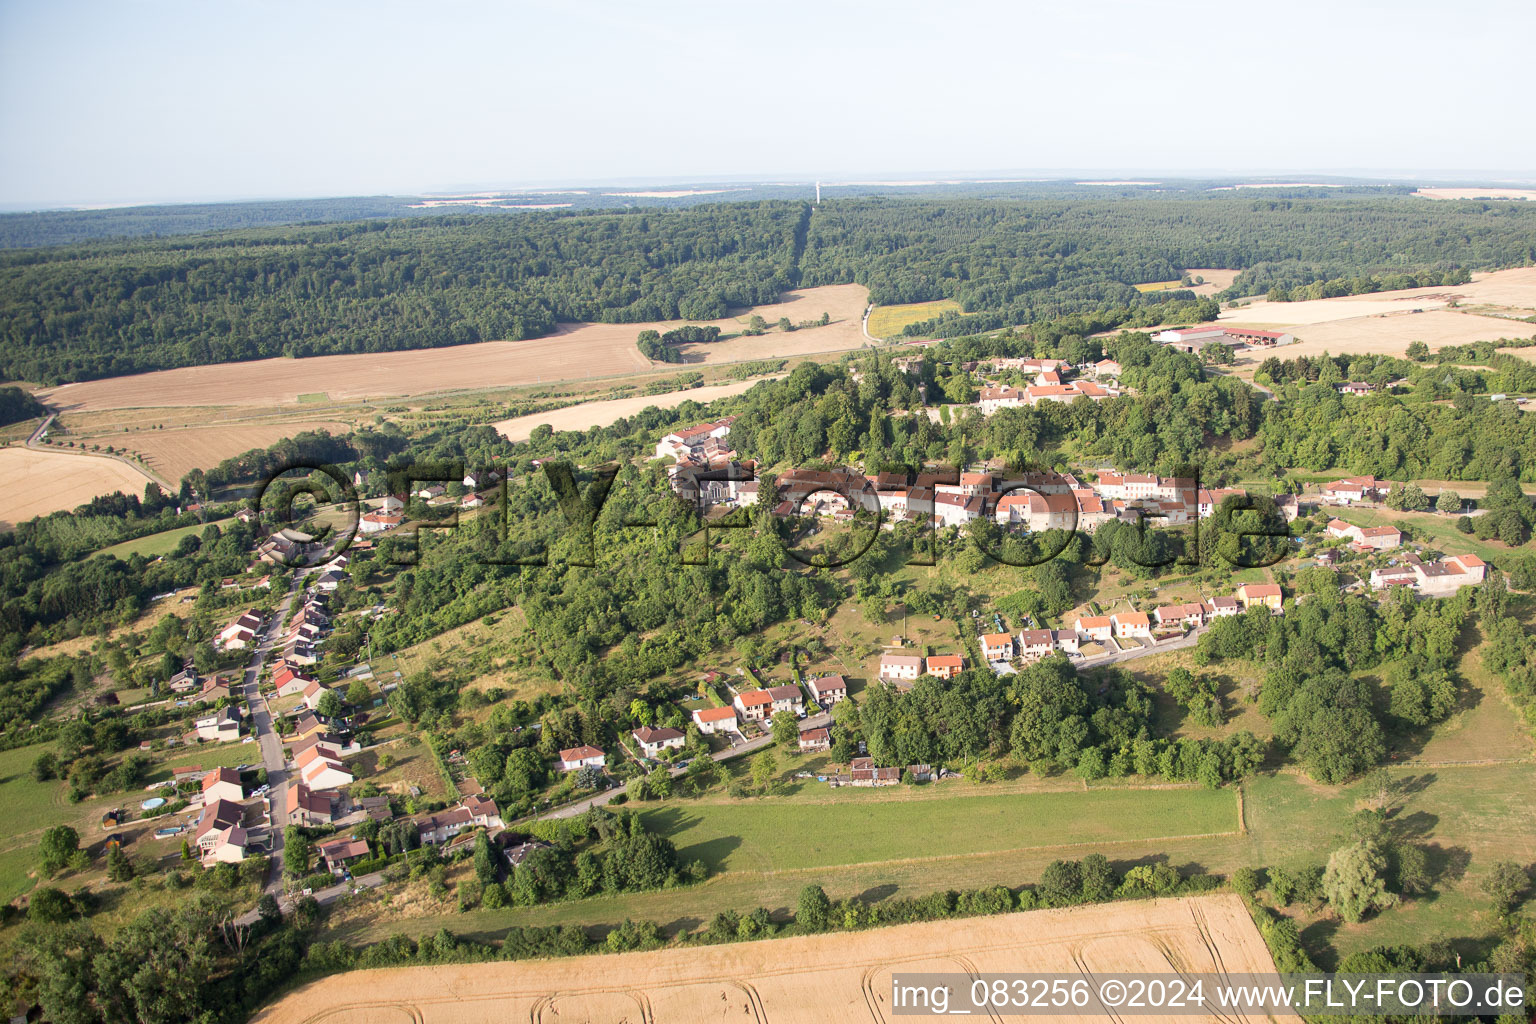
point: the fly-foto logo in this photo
(1242, 535)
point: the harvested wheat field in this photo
(1514, 289)
(1385, 323)
(1391, 335)
(1216, 279)
(35, 483)
(576, 351)
(801, 980)
(587, 415)
(1477, 193)
(173, 453)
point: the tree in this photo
(154, 968)
(813, 910)
(358, 694)
(46, 766)
(306, 913)
(1506, 885)
(1413, 877)
(1098, 877)
(1353, 881)
(1417, 351)
(1409, 498)
(1245, 881)
(1448, 503)
(268, 910)
(119, 867)
(50, 906)
(59, 846)
(485, 858)
(764, 766)
(329, 705)
(1061, 883)
(786, 731)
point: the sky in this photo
(125, 101)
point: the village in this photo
(307, 729)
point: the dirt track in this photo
(807, 980)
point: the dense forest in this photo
(108, 308)
(17, 405)
(36, 228)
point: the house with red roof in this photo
(584, 756)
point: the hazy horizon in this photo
(116, 104)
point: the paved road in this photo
(1188, 640)
(739, 750)
(322, 896)
(266, 736)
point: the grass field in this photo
(1158, 286)
(35, 483)
(887, 321)
(855, 826)
(161, 543)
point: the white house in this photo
(786, 698)
(900, 667)
(223, 725)
(313, 694)
(713, 720)
(1036, 643)
(1131, 624)
(1095, 628)
(223, 784)
(997, 646)
(1355, 488)
(444, 825)
(1190, 614)
(573, 758)
(320, 767)
(1221, 607)
(828, 690)
(654, 741)
(681, 444)
(754, 705)
(378, 522)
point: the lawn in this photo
(27, 807)
(156, 544)
(887, 321)
(865, 826)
